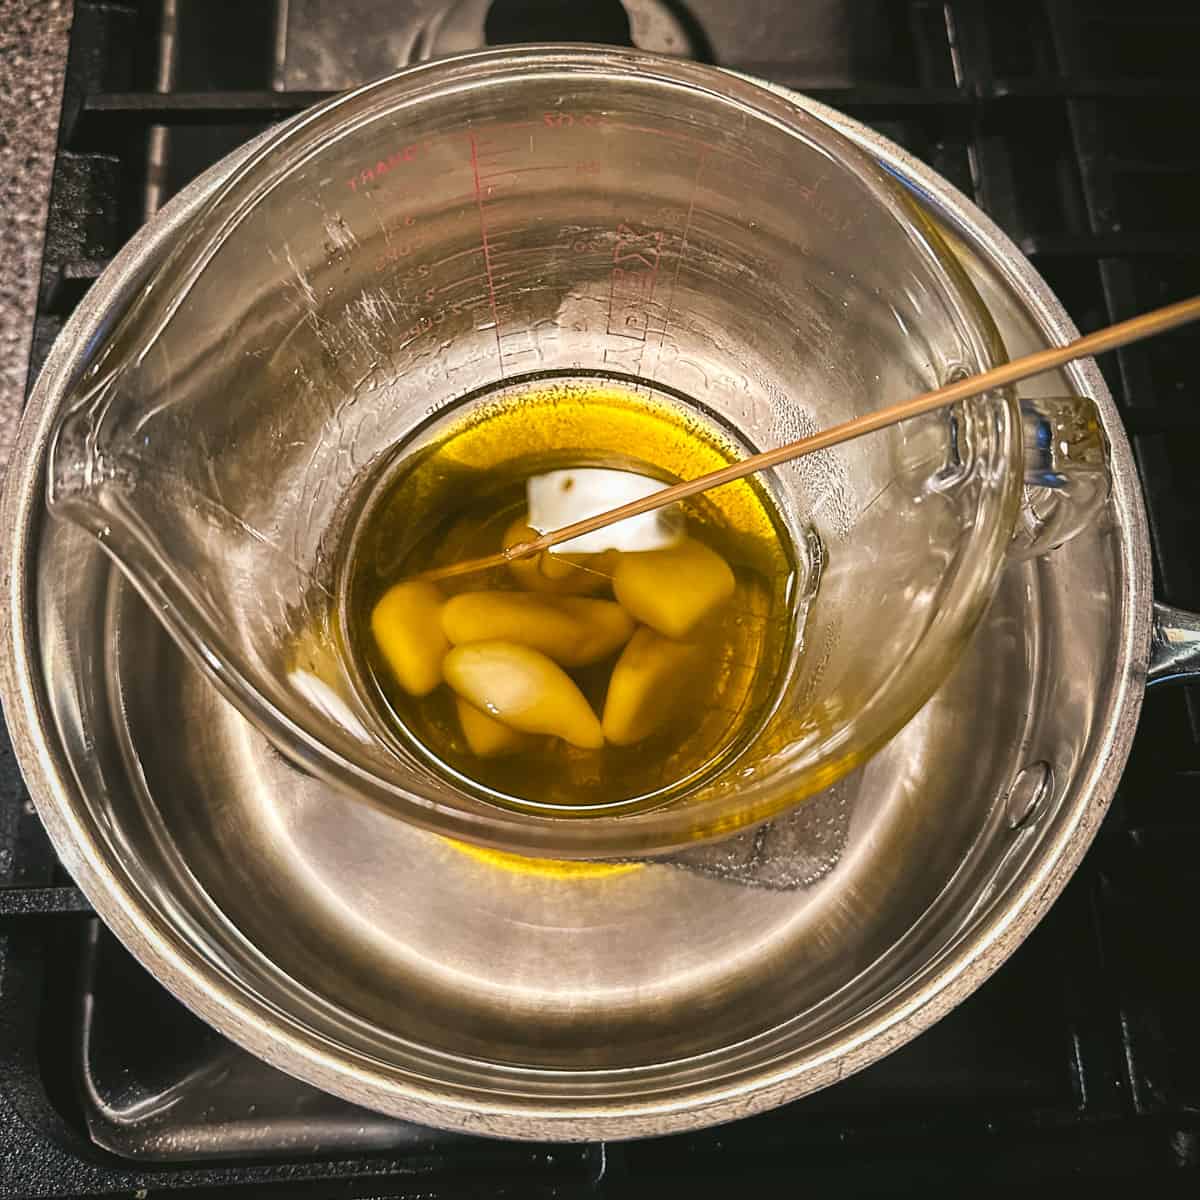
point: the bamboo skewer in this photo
(1110, 338)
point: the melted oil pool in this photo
(648, 672)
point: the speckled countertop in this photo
(33, 56)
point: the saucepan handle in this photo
(1174, 645)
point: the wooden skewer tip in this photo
(1110, 338)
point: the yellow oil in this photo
(456, 494)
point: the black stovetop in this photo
(1073, 125)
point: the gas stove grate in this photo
(1073, 126)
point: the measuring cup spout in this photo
(240, 592)
(76, 467)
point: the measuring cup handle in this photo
(1174, 645)
(1067, 476)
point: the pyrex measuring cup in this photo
(402, 252)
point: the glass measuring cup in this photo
(461, 226)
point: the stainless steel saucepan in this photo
(474, 990)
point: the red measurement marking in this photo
(566, 119)
(368, 173)
(487, 254)
(397, 252)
